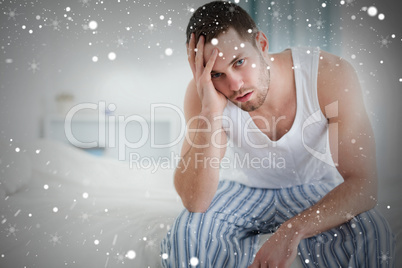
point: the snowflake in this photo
(276, 14)
(150, 27)
(11, 230)
(55, 239)
(384, 257)
(12, 14)
(55, 24)
(85, 2)
(384, 41)
(151, 243)
(189, 10)
(119, 258)
(319, 23)
(84, 217)
(121, 42)
(349, 216)
(350, 2)
(34, 66)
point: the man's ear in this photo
(262, 42)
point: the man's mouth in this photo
(244, 97)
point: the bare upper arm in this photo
(192, 108)
(350, 134)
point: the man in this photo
(300, 108)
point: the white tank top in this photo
(301, 156)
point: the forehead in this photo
(229, 45)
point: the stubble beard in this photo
(261, 92)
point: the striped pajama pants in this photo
(227, 234)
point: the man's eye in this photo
(215, 75)
(239, 62)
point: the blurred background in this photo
(124, 56)
(131, 54)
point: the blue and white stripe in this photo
(227, 235)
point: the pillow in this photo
(15, 168)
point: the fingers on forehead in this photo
(201, 42)
(192, 38)
(211, 60)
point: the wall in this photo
(62, 47)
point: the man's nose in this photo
(235, 82)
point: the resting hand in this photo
(212, 101)
(280, 250)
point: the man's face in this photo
(240, 71)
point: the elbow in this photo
(372, 198)
(195, 199)
(192, 201)
(195, 206)
(369, 201)
(372, 202)
(365, 194)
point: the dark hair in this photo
(217, 17)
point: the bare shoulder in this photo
(192, 102)
(337, 81)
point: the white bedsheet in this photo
(94, 212)
(84, 211)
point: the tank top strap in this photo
(305, 62)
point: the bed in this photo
(72, 209)
(62, 207)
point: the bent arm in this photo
(353, 150)
(352, 147)
(197, 174)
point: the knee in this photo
(183, 238)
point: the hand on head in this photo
(212, 100)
